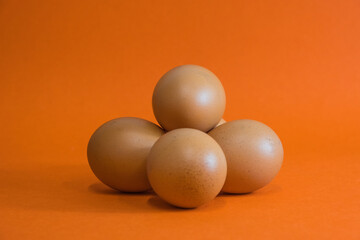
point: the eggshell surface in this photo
(117, 153)
(186, 168)
(253, 151)
(189, 96)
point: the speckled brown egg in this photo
(189, 96)
(253, 151)
(117, 153)
(186, 168)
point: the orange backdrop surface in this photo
(66, 67)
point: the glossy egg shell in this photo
(253, 151)
(189, 96)
(117, 153)
(186, 168)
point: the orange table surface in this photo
(66, 67)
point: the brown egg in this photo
(186, 168)
(253, 151)
(117, 153)
(188, 96)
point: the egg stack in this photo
(195, 154)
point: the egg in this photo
(186, 168)
(253, 151)
(117, 153)
(188, 96)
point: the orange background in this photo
(66, 67)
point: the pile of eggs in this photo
(195, 154)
